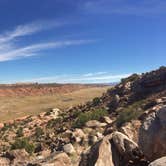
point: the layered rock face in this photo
(151, 82)
(39, 89)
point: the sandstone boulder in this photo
(100, 154)
(131, 129)
(159, 162)
(78, 135)
(107, 120)
(152, 135)
(54, 113)
(68, 148)
(126, 147)
(115, 149)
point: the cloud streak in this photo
(9, 41)
(33, 50)
(94, 74)
(28, 29)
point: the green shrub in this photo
(39, 132)
(19, 132)
(87, 116)
(96, 101)
(131, 78)
(53, 122)
(23, 144)
(29, 119)
(6, 127)
(129, 113)
(48, 112)
(76, 113)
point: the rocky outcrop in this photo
(150, 82)
(159, 162)
(100, 154)
(18, 157)
(115, 149)
(127, 148)
(152, 135)
(99, 140)
(104, 153)
(131, 129)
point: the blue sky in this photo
(80, 41)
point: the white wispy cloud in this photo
(33, 50)
(9, 41)
(106, 77)
(28, 29)
(143, 7)
(94, 74)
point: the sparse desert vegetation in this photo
(129, 118)
(87, 116)
(19, 106)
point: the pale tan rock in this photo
(54, 113)
(107, 120)
(60, 159)
(95, 124)
(1, 125)
(158, 101)
(124, 145)
(105, 155)
(126, 149)
(159, 162)
(113, 150)
(131, 129)
(101, 154)
(4, 161)
(45, 153)
(152, 135)
(87, 130)
(99, 135)
(78, 135)
(69, 149)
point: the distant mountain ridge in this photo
(33, 89)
